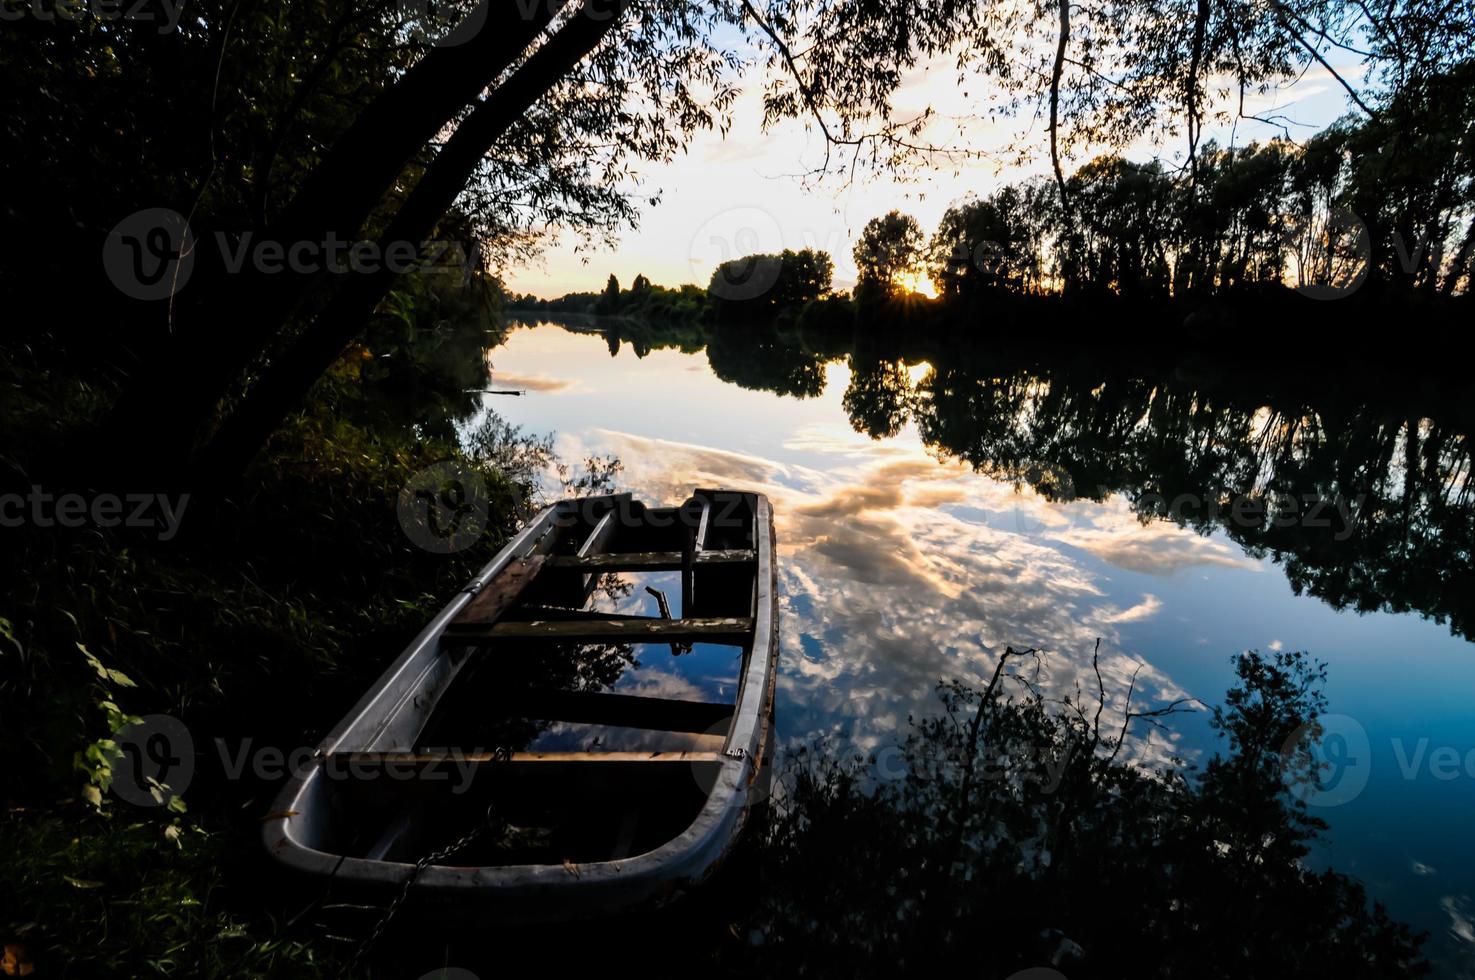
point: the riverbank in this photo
(260, 617)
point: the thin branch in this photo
(1282, 10)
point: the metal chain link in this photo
(433, 857)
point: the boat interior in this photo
(583, 697)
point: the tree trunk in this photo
(289, 378)
(155, 421)
(1056, 72)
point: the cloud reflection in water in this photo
(897, 570)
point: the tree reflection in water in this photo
(1368, 504)
(1019, 836)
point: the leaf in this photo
(92, 795)
(81, 882)
(16, 962)
(279, 815)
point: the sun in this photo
(919, 282)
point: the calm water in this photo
(901, 565)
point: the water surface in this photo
(1006, 507)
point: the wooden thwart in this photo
(726, 629)
(627, 711)
(501, 592)
(516, 758)
(650, 561)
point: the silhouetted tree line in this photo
(1388, 199)
(644, 300)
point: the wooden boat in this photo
(529, 697)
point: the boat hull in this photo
(305, 832)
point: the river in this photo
(1003, 506)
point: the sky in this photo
(733, 195)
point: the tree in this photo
(997, 242)
(765, 287)
(609, 300)
(888, 252)
(329, 121)
(1122, 231)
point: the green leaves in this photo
(98, 758)
(106, 674)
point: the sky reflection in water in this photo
(898, 570)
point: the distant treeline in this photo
(756, 288)
(1378, 207)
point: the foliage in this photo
(996, 242)
(767, 287)
(95, 895)
(1019, 817)
(1100, 74)
(888, 251)
(265, 618)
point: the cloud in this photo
(1461, 919)
(531, 382)
(1156, 549)
(1146, 609)
(836, 440)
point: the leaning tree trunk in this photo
(288, 379)
(155, 422)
